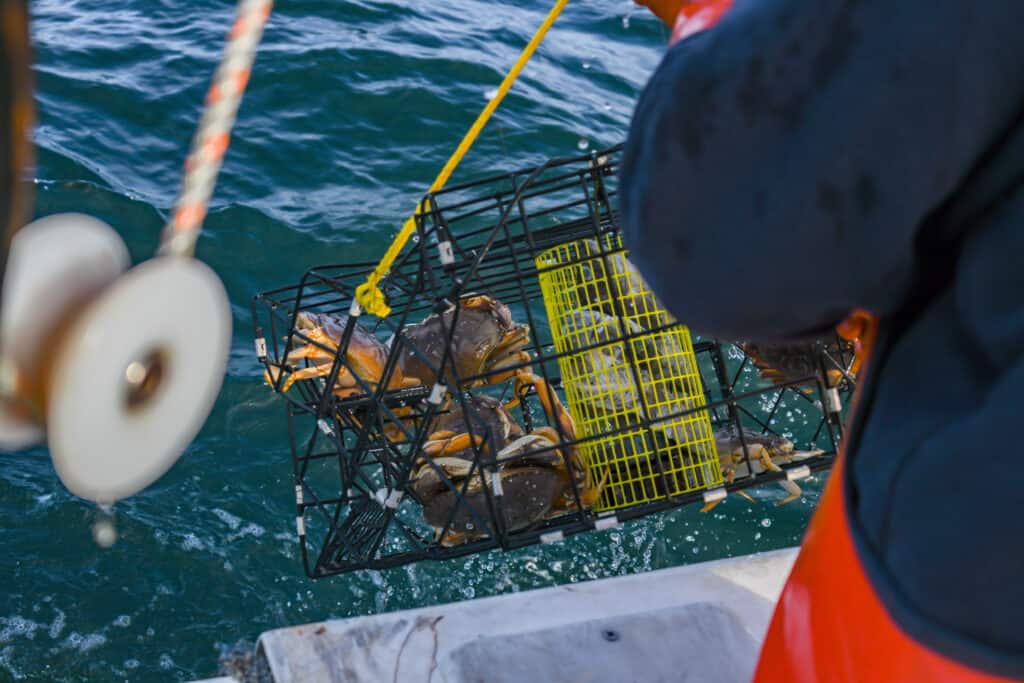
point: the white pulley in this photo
(56, 265)
(136, 377)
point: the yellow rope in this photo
(368, 295)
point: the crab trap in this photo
(526, 385)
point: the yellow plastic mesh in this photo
(630, 374)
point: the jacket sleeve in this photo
(779, 166)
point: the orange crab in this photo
(366, 354)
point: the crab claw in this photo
(549, 400)
(272, 375)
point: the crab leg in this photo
(452, 444)
(768, 464)
(514, 359)
(310, 351)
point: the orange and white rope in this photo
(211, 140)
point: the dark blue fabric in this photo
(805, 158)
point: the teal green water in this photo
(352, 109)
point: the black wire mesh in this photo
(440, 430)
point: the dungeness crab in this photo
(366, 355)
(483, 343)
(767, 453)
(536, 478)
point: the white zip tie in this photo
(298, 494)
(437, 394)
(261, 347)
(444, 250)
(605, 523)
(496, 486)
(552, 537)
(300, 526)
(715, 495)
(355, 310)
(801, 472)
(835, 405)
(325, 427)
(388, 498)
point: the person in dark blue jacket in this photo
(801, 159)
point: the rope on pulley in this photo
(369, 297)
(214, 133)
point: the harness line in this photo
(369, 297)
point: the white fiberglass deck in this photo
(702, 622)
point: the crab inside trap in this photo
(526, 385)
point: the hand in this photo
(666, 10)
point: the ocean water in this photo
(352, 108)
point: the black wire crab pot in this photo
(527, 385)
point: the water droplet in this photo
(491, 94)
(607, 107)
(583, 144)
(766, 522)
(625, 22)
(586, 66)
(757, 536)
(104, 533)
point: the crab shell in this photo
(534, 484)
(484, 339)
(483, 415)
(533, 476)
(449, 445)
(365, 352)
(728, 443)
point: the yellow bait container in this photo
(630, 377)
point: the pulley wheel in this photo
(136, 377)
(57, 265)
